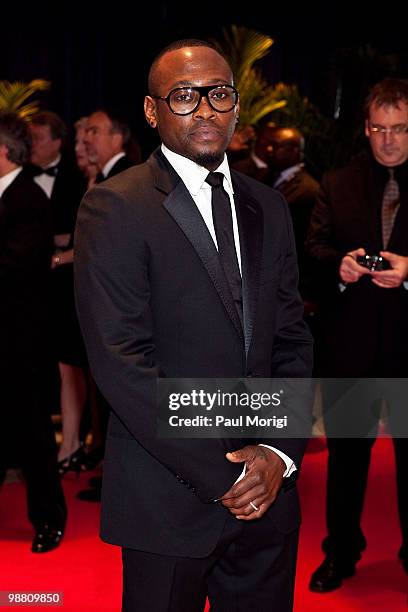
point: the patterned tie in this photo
(222, 217)
(390, 205)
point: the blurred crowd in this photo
(350, 229)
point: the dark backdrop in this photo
(98, 54)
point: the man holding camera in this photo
(358, 236)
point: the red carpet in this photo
(88, 572)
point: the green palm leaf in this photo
(13, 96)
(243, 47)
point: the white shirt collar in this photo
(259, 163)
(55, 162)
(8, 178)
(193, 175)
(109, 164)
(287, 174)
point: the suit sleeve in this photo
(113, 300)
(25, 234)
(292, 352)
(320, 239)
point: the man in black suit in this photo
(26, 432)
(61, 180)
(56, 173)
(364, 318)
(277, 160)
(107, 137)
(155, 300)
(106, 140)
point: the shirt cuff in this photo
(290, 466)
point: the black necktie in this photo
(390, 205)
(222, 217)
(100, 177)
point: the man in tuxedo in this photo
(106, 140)
(56, 173)
(162, 292)
(27, 433)
(61, 180)
(362, 209)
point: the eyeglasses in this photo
(185, 100)
(396, 130)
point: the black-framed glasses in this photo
(397, 130)
(185, 100)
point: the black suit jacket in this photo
(69, 187)
(122, 164)
(365, 327)
(248, 167)
(153, 301)
(25, 256)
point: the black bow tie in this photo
(52, 171)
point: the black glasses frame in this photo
(203, 91)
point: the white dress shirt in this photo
(288, 174)
(109, 164)
(193, 176)
(8, 178)
(46, 181)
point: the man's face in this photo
(44, 148)
(279, 148)
(101, 143)
(204, 134)
(80, 148)
(385, 130)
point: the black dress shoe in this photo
(46, 538)
(90, 495)
(329, 575)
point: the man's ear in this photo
(118, 141)
(4, 151)
(150, 111)
(366, 129)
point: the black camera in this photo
(374, 263)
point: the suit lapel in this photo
(398, 241)
(180, 205)
(250, 224)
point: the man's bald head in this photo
(279, 147)
(153, 79)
